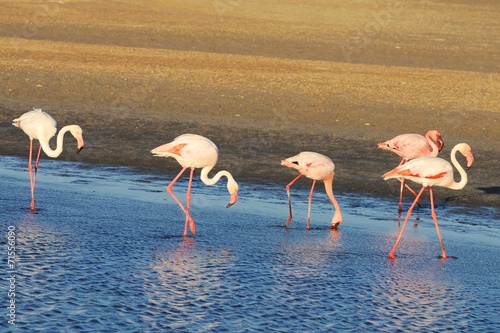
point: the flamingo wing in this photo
(424, 170)
(37, 124)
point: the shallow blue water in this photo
(104, 253)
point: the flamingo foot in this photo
(288, 220)
(32, 206)
(334, 225)
(391, 256)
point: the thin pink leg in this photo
(400, 204)
(290, 200)
(36, 166)
(434, 217)
(391, 254)
(412, 192)
(308, 225)
(169, 190)
(192, 226)
(403, 185)
(32, 179)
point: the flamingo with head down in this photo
(410, 146)
(195, 151)
(317, 167)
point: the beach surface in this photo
(263, 79)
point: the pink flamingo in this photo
(317, 167)
(41, 126)
(432, 171)
(410, 146)
(195, 151)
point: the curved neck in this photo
(329, 191)
(44, 142)
(434, 147)
(461, 171)
(211, 181)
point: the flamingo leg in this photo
(403, 185)
(32, 180)
(400, 204)
(290, 200)
(169, 190)
(391, 254)
(189, 220)
(308, 225)
(36, 166)
(434, 217)
(412, 192)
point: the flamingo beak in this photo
(470, 160)
(234, 198)
(440, 144)
(80, 145)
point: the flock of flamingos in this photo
(419, 164)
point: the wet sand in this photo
(264, 80)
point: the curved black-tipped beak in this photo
(79, 149)
(234, 198)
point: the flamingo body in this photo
(429, 172)
(316, 167)
(39, 125)
(410, 146)
(194, 151)
(190, 150)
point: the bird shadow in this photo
(490, 189)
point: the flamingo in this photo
(410, 146)
(317, 167)
(429, 172)
(39, 125)
(195, 151)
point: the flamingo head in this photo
(232, 187)
(77, 132)
(437, 138)
(466, 150)
(470, 158)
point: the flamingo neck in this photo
(44, 142)
(434, 147)
(329, 191)
(211, 181)
(463, 175)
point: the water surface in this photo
(104, 253)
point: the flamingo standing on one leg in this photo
(317, 167)
(195, 151)
(432, 171)
(41, 126)
(410, 146)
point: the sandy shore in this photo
(264, 80)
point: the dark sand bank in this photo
(262, 80)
